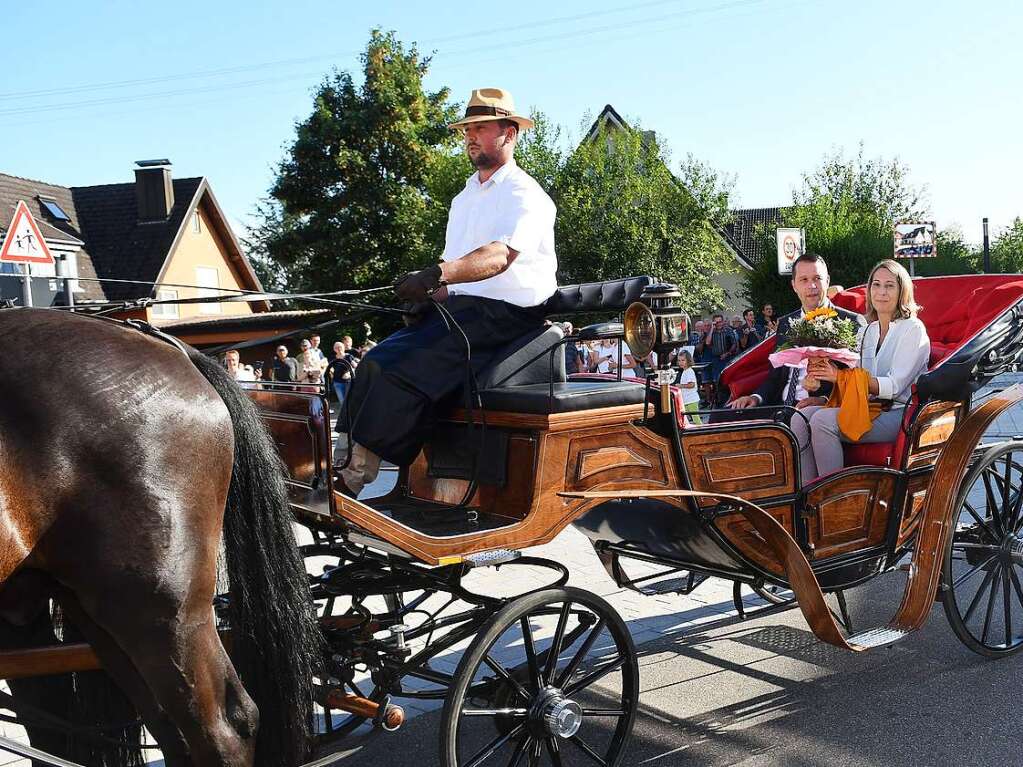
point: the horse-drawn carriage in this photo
(548, 674)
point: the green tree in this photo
(358, 195)
(622, 212)
(848, 207)
(1007, 249)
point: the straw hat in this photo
(486, 104)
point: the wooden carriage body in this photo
(547, 442)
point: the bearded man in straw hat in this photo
(497, 270)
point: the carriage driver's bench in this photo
(477, 488)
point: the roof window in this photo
(54, 209)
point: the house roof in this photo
(121, 247)
(14, 188)
(116, 245)
(744, 232)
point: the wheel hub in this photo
(556, 715)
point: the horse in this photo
(125, 463)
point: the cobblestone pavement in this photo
(657, 623)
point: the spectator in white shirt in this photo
(495, 274)
(894, 351)
(232, 361)
(688, 384)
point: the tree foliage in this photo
(359, 193)
(621, 212)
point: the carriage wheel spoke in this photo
(595, 676)
(1016, 585)
(963, 578)
(583, 649)
(555, 649)
(555, 751)
(979, 594)
(502, 672)
(536, 751)
(517, 713)
(585, 748)
(1007, 607)
(992, 503)
(990, 607)
(527, 643)
(491, 748)
(609, 712)
(973, 513)
(520, 750)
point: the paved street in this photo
(764, 692)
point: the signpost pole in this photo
(987, 249)
(26, 287)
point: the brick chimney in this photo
(154, 190)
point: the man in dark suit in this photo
(784, 385)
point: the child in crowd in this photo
(690, 388)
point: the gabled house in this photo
(737, 236)
(156, 237)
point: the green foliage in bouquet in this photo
(822, 327)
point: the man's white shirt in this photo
(510, 207)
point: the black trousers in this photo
(398, 388)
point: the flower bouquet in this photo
(820, 333)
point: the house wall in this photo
(196, 250)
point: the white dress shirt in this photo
(899, 362)
(509, 207)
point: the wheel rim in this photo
(557, 685)
(984, 564)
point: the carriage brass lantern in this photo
(658, 323)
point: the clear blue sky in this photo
(758, 89)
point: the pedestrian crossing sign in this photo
(24, 244)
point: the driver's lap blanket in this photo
(398, 388)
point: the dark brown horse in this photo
(118, 457)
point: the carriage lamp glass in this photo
(640, 329)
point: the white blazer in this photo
(900, 360)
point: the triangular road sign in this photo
(24, 244)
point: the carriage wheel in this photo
(982, 575)
(552, 679)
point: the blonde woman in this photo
(894, 352)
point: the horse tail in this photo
(276, 644)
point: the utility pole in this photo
(987, 249)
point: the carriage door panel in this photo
(849, 512)
(756, 463)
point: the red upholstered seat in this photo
(869, 454)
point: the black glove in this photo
(417, 287)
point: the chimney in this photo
(154, 190)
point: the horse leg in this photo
(120, 667)
(166, 628)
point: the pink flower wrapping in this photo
(797, 356)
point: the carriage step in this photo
(877, 637)
(493, 558)
(668, 586)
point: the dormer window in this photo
(53, 208)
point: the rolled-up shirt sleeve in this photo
(522, 221)
(908, 361)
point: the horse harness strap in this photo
(20, 749)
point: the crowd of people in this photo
(310, 367)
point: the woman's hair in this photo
(907, 305)
(688, 357)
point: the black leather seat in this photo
(567, 397)
(520, 380)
